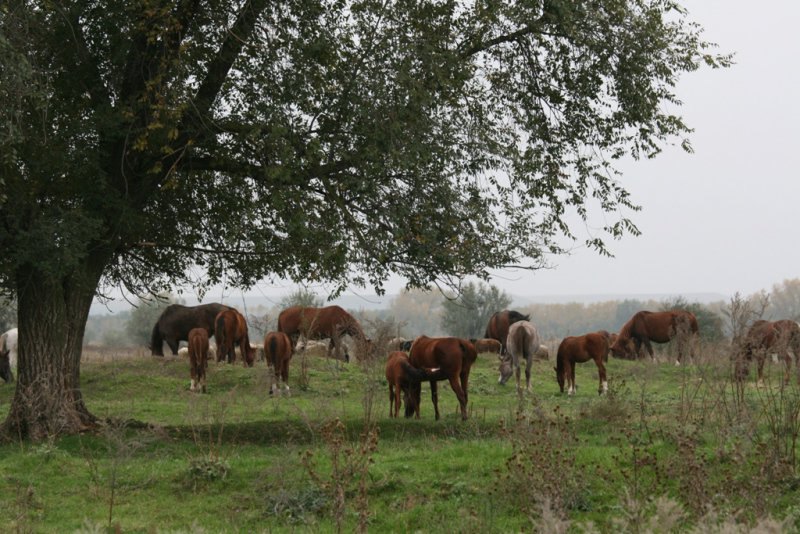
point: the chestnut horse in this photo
(400, 375)
(278, 352)
(764, 337)
(176, 320)
(499, 324)
(453, 357)
(580, 349)
(523, 341)
(198, 358)
(660, 327)
(487, 344)
(231, 329)
(330, 322)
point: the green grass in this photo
(239, 460)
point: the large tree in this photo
(155, 142)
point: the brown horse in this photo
(278, 352)
(580, 349)
(765, 337)
(198, 358)
(523, 342)
(453, 357)
(231, 329)
(330, 322)
(401, 375)
(499, 324)
(487, 344)
(660, 327)
(175, 322)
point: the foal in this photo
(198, 358)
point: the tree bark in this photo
(52, 314)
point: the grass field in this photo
(668, 449)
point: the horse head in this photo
(506, 370)
(623, 348)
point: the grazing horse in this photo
(175, 322)
(278, 352)
(453, 357)
(580, 349)
(401, 375)
(8, 354)
(764, 337)
(231, 329)
(522, 342)
(499, 324)
(198, 358)
(487, 344)
(660, 327)
(330, 322)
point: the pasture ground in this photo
(669, 449)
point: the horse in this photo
(230, 330)
(176, 320)
(198, 358)
(522, 341)
(278, 352)
(765, 336)
(660, 327)
(487, 344)
(580, 349)
(8, 354)
(330, 322)
(453, 357)
(498, 326)
(400, 375)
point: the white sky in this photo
(720, 220)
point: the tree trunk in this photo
(52, 316)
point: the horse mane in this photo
(514, 316)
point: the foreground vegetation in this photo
(679, 448)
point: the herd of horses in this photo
(509, 333)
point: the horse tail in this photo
(156, 341)
(273, 352)
(560, 357)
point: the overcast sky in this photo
(722, 219)
(725, 218)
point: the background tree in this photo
(784, 300)
(143, 317)
(323, 141)
(419, 312)
(302, 297)
(467, 315)
(8, 314)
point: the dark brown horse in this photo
(453, 357)
(580, 349)
(499, 324)
(401, 375)
(330, 322)
(175, 322)
(231, 329)
(660, 327)
(764, 338)
(198, 358)
(278, 352)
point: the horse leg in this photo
(528, 372)
(435, 397)
(173, 345)
(285, 374)
(192, 371)
(569, 374)
(602, 371)
(391, 400)
(460, 393)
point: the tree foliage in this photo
(709, 324)
(467, 315)
(156, 142)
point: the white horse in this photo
(8, 352)
(523, 341)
